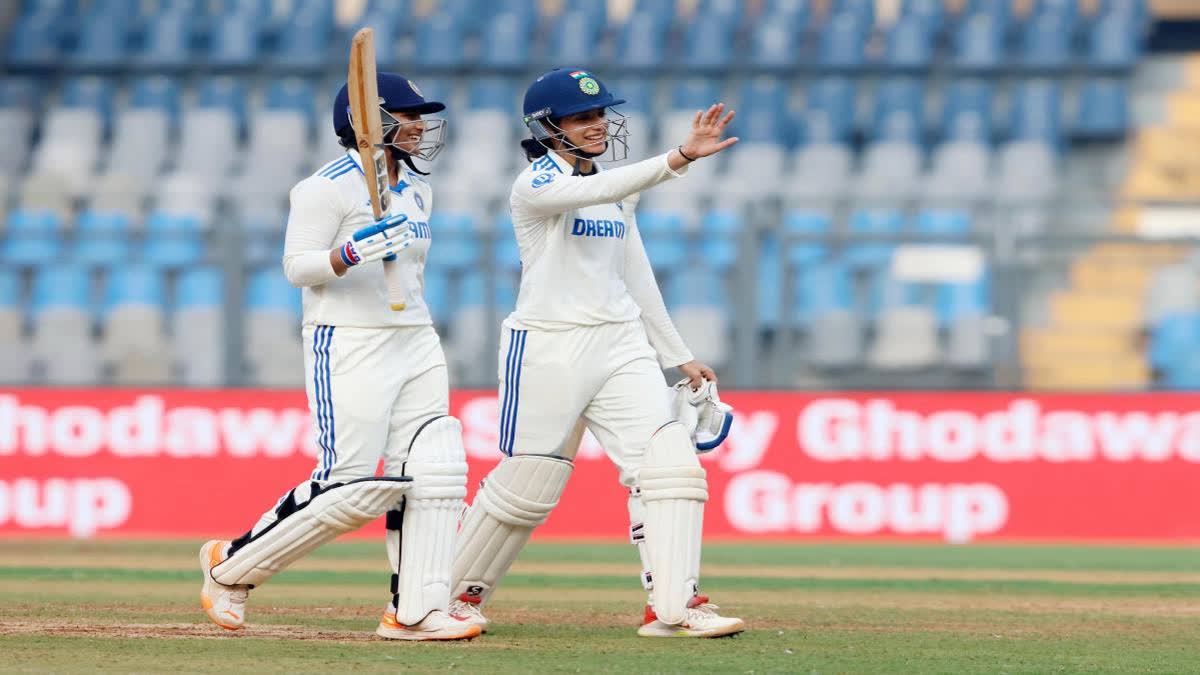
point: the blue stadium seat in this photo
(1114, 43)
(862, 10)
(439, 43)
(20, 92)
(386, 26)
(96, 93)
(61, 287)
(929, 12)
(708, 44)
(134, 285)
(695, 286)
(1046, 44)
(156, 91)
(873, 221)
(35, 41)
(842, 42)
(719, 238)
(909, 45)
(436, 292)
(899, 103)
(104, 42)
(762, 113)
(172, 241)
(664, 238)
(659, 12)
(811, 223)
(958, 301)
(506, 42)
(944, 222)
(830, 110)
(455, 242)
(888, 292)
(167, 43)
(235, 40)
(642, 43)
(575, 37)
(967, 111)
(223, 92)
(10, 289)
(769, 281)
(1172, 338)
(638, 93)
(472, 291)
(775, 41)
(821, 289)
(1001, 11)
(31, 237)
(1036, 112)
(1067, 11)
(658, 222)
(200, 287)
(1135, 11)
(979, 43)
(694, 94)
(506, 254)
(304, 41)
(269, 291)
(492, 93)
(101, 239)
(291, 93)
(1103, 109)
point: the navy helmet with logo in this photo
(397, 94)
(569, 91)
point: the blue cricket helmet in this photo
(563, 92)
(399, 94)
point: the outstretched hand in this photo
(707, 129)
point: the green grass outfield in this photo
(870, 608)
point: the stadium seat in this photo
(172, 241)
(187, 196)
(664, 237)
(890, 172)
(198, 327)
(810, 223)
(305, 41)
(1103, 109)
(842, 42)
(436, 292)
(821, 175)
(224, 93)
(929, 12)
(905, 331)
(14, 367)
(873, 222)
(167, 44)
(31, 238)
(830, 110)
(140, 142)
(272, 348)
(697, 302)
(103, 43)
(642, 41)
(455, 239)
(1174, 289)
(235, 41)
(1046, 45)
(156, 92)
(101, 239)
(708, 44)
(134, 345)
(506, 254)
(967, 111)
(774, 41)
(1114, 43)
(963, 308)
(62, 349)
(575, 37)
(909, 45)
(470, 326)
(719, 233)
(34, 41)
(439, 43)
(899, 108)
(1036, 112)
(939, 223)
(960, 172)
(46, 191)
(824, 307)
(1026, 172)
(506, 42)
(1172, 338)
(16, 125)
(979, 44)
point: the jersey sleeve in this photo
(551, 192)
(639, 279)
(313, 221)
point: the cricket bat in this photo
(368, 129)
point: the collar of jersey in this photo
(564, 167)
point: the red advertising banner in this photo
(953, 466)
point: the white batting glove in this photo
(380, 241)
(702, 413)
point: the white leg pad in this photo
(422, 532)
(517, 496)
(306, 521)
(637, 535)
(673, 491)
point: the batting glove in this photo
(703, 414)
(380, 241)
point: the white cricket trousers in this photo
(606, 377)
(369, 390)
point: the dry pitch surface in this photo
(132, 606)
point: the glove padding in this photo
(380, 241)
(702, 413)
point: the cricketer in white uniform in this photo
(586, 346)
(376, 383)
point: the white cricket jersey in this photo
(327, 208)
(582, 259)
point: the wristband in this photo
(349, 255)
(683, 155)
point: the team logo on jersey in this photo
(542, 179)
(589, 86)
(587, 227)
(415, 88)
(419, 200)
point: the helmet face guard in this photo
(616, 139)
(433, 137)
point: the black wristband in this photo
(683, 155)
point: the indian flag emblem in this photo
(579, 73)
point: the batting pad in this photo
(320, 514)
(673, 492)
(517, 496)
(422, 532)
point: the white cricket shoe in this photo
(469, 611)
(437, 625)
(700, 620)
(225, 605)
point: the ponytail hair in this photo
(533, 149)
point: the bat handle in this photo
(395, 284)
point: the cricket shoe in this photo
(699, 620)
(437, 625)
(467, 608)
(225, 605)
